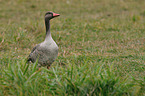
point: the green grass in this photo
(101, 48)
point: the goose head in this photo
(49, 15)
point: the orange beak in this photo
(55, 15)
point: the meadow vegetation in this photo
(101, 48)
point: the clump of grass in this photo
(72, 79)
(16, 79)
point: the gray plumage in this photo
(47, 51)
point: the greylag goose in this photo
(47, 51)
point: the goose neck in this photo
(47, 24)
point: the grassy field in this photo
(101, 48)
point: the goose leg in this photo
(48, 67)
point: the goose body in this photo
(47, 51)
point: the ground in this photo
(100, 41)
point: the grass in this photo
(101, 47)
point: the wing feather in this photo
(30, 58)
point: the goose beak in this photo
(55, 15)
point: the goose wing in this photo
(33, 55)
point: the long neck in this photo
(47, 24)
